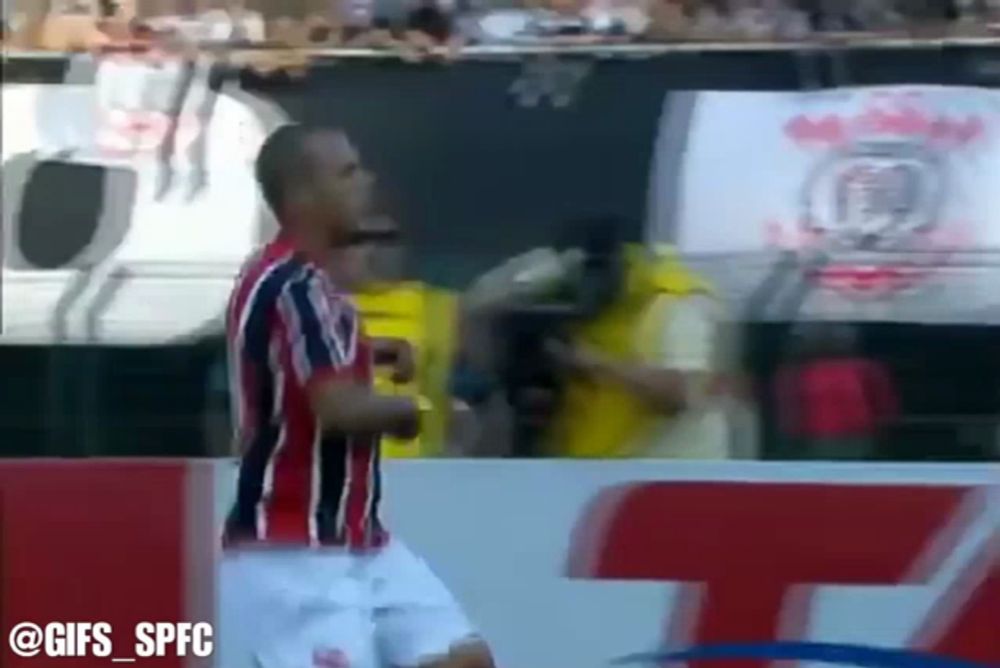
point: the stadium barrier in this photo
(567, 563)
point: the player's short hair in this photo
(283, 159)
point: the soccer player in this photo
(310, 578)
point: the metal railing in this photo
(631, 50)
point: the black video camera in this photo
(531, 382)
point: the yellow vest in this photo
(602, 420)
(425, 317)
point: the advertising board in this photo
(120, 542)
(582, 563)
(568, 563)
(888, 196)
(114, 231)
(889, 189)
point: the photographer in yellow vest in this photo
(644, 368)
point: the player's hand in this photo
(404, 367)
(398, 354)
(406, 425)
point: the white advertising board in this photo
(580, 563)
(890, 196)
(161, 261)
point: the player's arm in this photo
(322, 341)
(349, 407)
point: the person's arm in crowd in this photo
(378, 37)
(252, 26)
(430, 31)
(667, 21)
(322, 341)
(321, 32)
(66, 32)
(415, 46)
(451, 49)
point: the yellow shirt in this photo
(602, 420)
(425, 317)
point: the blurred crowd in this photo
(82, 25)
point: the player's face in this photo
(364, 262)
(342, 195)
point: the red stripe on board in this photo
(94, 541)
(756, 547)
(772, 526)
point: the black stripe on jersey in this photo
(333, 480)
(242, 521)
(318, 345)
(373, 521)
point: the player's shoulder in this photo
(303, 274)
(272, 265)
(275, 273)
(307, 286)
(263, 277)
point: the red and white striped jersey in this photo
(289, 327)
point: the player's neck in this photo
(311, 242)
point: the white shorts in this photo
(329, 609)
